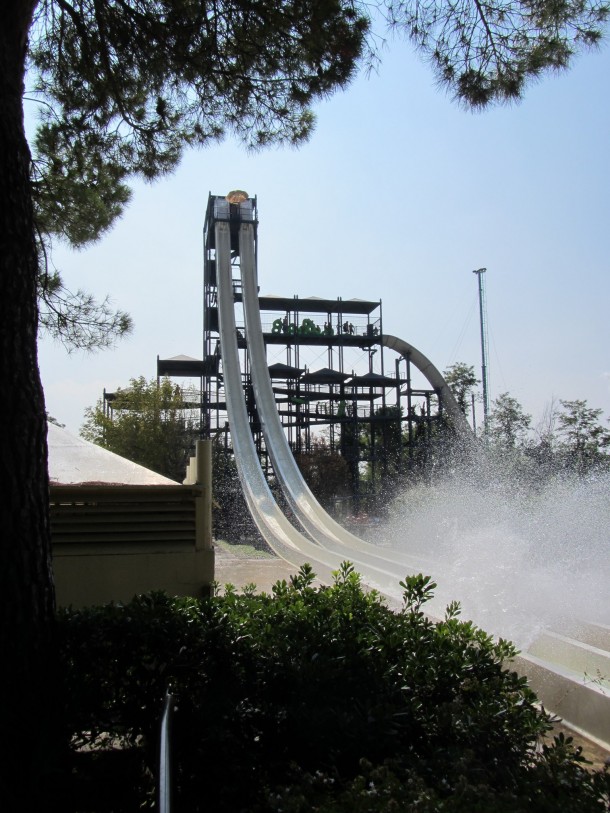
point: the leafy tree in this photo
(462, 380)
(76, 209)
(124, 86)
(128, 85)
(584, 439)
(508, 423)
(147, 424)
(486, 52)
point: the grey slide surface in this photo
(283, 538)
(313, 518)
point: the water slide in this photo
(556, 665)
(280, 534)
(435, 379)
(315, 521)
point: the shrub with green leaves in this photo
(321, 699)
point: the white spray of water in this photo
(518, 559)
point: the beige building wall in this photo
(111, 542)
(98, 577)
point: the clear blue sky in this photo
(398, 196)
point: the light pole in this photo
(484, 343)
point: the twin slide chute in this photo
(320, 540)
(279, 533)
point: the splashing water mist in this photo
(518, 558)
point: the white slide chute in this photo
(280, 534)
(307, 510)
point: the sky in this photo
(399, 195)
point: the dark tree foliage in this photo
(462, 380)
(508, 423)
(486, 51)
(325, 471)
(129, 84)
(77, 205)
(584, 440)
(77, 319)
(309, 699)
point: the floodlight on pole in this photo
(484, 343)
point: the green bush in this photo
(318, 699)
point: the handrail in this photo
(164, 784)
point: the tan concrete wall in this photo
(94, 577)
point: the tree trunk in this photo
(26, 586)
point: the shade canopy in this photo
(372, 380)
(324, 376)
(284, 371)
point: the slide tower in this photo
(379, 401)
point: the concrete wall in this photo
(97, 577)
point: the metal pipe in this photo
(484, 343)
(164, 787)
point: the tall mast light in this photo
(484, 342)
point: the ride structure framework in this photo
(375, 397)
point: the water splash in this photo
(520, 557)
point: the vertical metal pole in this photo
(484, 363)
(409, 402)
(164, 783)
(474, 417)
(399, 410)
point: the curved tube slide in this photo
(425, 366)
